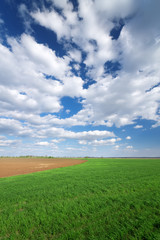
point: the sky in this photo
(80, 78)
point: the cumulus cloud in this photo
(124, 104)
(40, 129)
(61, 3)
(14, 128)
(75, 55)
(48, 19)
(42, 57)
(75, 149)
(102, 142)
(23, 71)
(7, 143)
(95, 41)
(56, 140)
(129, 147)
(128, 137)
(42, 144)
(116, 147)
(83, 142)
(34, 77)
(138, 126)
(128, 96)
(68, 111)
(65, 134)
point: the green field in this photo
(100, 199)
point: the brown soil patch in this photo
(18, 166)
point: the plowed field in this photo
(18, 166)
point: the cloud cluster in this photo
(34, 78)
(7, 143)
(54, 132)
(102, 142)
(123, 99)
(23, 71)
(12, 127)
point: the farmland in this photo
(116, 199)
(24, 165)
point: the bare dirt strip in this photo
(18, 166)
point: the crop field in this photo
(116, 199)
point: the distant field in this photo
(116, 199)
(23, 165)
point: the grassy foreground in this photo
(100, 199)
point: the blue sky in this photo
(80, 78)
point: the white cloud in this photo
(157, 124)
(85, 135)
(34, 78)
(53, 21)
(68, 111)
(138, 126)
(95, 41)
(24, 13)
(60, 3)
(129, 147)
(44, 58)
(44, 129)
(56, 140)
(116, 147)
(14, 128)
(19, 76)
(73, 149)
(23, 83)
(120, 101)
(7, 143)
(117, 8)
(42, 143)
(1, 21)
(128, 137)
(37, 121)
(75, 55)
(125, 95)
(102, 142)
(49, 145)
(83, 142)
(76, 67)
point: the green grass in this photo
(100, 199)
